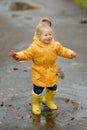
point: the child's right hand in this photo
(14, 55)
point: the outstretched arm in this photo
(65, 52)
(23, 55)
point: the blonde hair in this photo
(44, 23)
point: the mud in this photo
(21, 6)
(17, 23)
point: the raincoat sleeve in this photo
(25, 54)
(63, 51)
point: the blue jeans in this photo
(38, 89)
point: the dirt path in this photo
(16, 32)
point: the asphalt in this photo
(16, 32)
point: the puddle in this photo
(21, 6)
(66, 113)
(20, 13)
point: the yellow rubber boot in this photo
(48, 99)
(36, 103)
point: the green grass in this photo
(82, 3)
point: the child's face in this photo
(46, 36)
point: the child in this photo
(43, 51)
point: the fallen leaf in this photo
(10, 95)
(15, 68)
(26, 69)
(12, 89)
(28, 116)
(2, 104)
(9, 71)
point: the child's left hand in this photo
(73, 54)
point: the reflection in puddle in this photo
(48, 120)
(36, 119)
(67, 111)
(20, 6)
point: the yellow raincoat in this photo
(44, 68)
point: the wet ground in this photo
(17, 23)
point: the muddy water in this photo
(17, 22)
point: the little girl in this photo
(43, 51)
